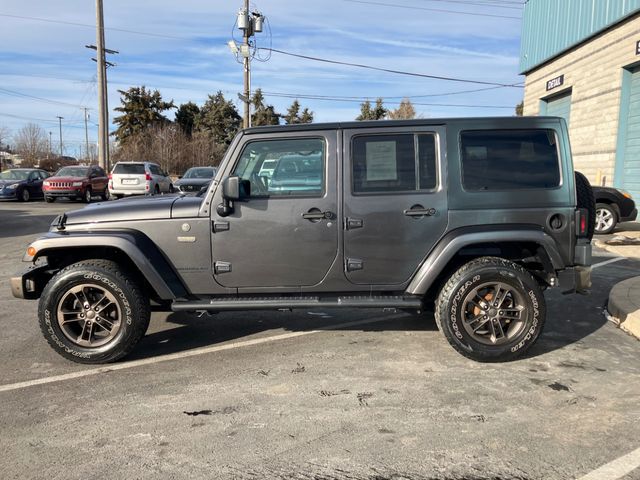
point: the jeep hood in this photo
(135, 209)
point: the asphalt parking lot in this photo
(315, 395)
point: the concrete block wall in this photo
(593, 72)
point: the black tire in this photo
(24, 195)
(49, 199)
(156, 190)
(132, 308)
(171, 188)
(118, 197)
(86, 198)
(606, 219)
(585, 199)
(106, 195)
(525, 294)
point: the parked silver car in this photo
(138, 178)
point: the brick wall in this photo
(594, 73)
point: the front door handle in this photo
(315, 214)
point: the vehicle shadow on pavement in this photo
(18, 223)
(191, 331)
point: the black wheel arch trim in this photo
(455, 240)
(139, 248)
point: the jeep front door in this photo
(285, 234)
(395, 203)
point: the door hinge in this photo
(353, 223)
(353, 264)
(222, 267)
(220, 226)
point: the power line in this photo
(77, 24)
(329, 99)
(43, 120)
(387, 70)
(481, 3)
(395, 5)
(13, 93)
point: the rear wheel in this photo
(156, 191)
(106, 194)
(491, 310)
(93, 312)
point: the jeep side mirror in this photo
(233, 189)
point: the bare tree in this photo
(405, 111)
(31, 143)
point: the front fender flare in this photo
(144, 254)
(450, 244)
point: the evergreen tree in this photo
(186, 117)
(293, 115)
(376, 113)
(141, 109)
(405, 111)
(219, 118)
(263, 114)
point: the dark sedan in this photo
(195, 178)
(22, 184)
(612, 207)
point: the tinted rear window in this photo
(129, 168)
(509, 159)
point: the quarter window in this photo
(509, 160)
(293, 167)
(394, 163)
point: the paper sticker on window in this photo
(381, 161)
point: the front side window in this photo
(509, 160)
(394, 163)
(293, 167)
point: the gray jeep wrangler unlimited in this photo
(471, 217)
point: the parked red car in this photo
(79, 183)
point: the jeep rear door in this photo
(285, 235)
(395, 201)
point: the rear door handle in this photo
(420, 212)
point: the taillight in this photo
(147, 176)
(110, 176)
(582, 222)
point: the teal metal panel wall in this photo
(627, 172)
(552, 26)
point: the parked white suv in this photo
(138, 178)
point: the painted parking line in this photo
(607, 262)
(179, 355)
(617, 468)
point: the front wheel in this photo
(49, 199)
(25, 196)
(106, 194)
(87, 196)
(491, 310)
(93, 312)
(606, 219)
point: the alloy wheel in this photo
(89, 315)
(604, 220)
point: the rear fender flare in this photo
(451, 244)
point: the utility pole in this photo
(103, 109)
(250, 23)
(60, 124)
(50, 151)
(86, 134)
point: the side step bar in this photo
(277, 303)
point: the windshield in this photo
(199, 172)
(72, 172)
(14, 175)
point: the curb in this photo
(622, 250)
(624, 305)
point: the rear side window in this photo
(155, 169)
(129, 168)
(509, 160)
(394, 163)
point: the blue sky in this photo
(188, 58)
